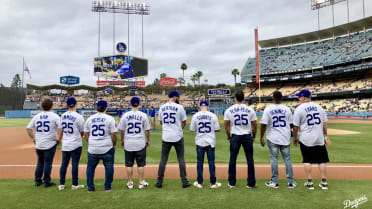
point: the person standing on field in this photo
(47, 136)
(276, 122)
(134, 126)
(152, 118)
(310, 121)
(241, 128)
(205, 124)
(73, 130)
(101, 134)
(173, 118)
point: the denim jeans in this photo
(200, 151)
(180, 151)
(274, 155)
(74, 155)
(236, 142)
(44, 164)
(108, 162)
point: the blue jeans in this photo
(274, 155)
(108, 162)
(200, 151)
(44, 165)
(236, 142)
(74, 155)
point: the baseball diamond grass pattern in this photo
(345, 148)
(22, 194)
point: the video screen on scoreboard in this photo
(120, 67)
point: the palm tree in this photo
(183, 68)
(194, 78)
(199, 74)
(181, 81)
(235, 72)
(163, 75)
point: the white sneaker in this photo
(130, 185)
(292, 186)
(231, 187)
(77, 187)
(61, 187)
(272, 185)
(216, 185)
(197, 185)
(143, 185)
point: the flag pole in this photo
(23, 70)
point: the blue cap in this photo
(304, 93)
(204, 103)
(71, 102)
(135, 101)
(173, 93)
(102, 103)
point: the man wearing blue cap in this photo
(73, 130)
(205, 124)
(133, 126)
(311, 121)
(100, 132)
(173, 118)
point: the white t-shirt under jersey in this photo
(72, 125)
(172, 115)
(46, 124)
(134, 123)
(240, 117)
(277, 118)
(205, 124)
(309, 117)
(100, 126)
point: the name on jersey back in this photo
(134, 117)
(69, 117)
(204, 117)
(311, 109)
(98, 120)
(240, 109)
(277, 111)
(171, 108)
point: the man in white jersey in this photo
(100, 132)
(241, 128)
(48, 134)
(133, 126)
(311, 121)
(173, 118)
(277, 122)
(205, 124)
(73, 130)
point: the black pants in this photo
(74, 155)
(44, 164)
(166, 147)
(235, 143)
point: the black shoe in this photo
(38, 184)
(187, 184)
(50, 184)
(158, 185)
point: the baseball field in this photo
(350, 176)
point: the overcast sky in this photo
(59, 38)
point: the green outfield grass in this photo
(345, 148)
(22, 194)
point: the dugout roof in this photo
(352, 27)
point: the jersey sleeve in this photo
(81, 124)
(227, 115)
(58, 122)
(146, 123)
(31, 124)
(193, 124)
(87, 126)
(324, 115)
(183, 115)
(113, 126)
(253, 116)
(297, 117)
(121, 125)
(290, 116)
(216, 123)
(160, 115)
(265, 117)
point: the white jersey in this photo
(205, 124)
(277, 118)
(46, 124)
(100, 126)
(240, 117)
(72, 125)
(134, 124)
(309, 117)
(172, 115)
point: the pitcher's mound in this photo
(341, 132)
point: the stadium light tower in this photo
(143, 9)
